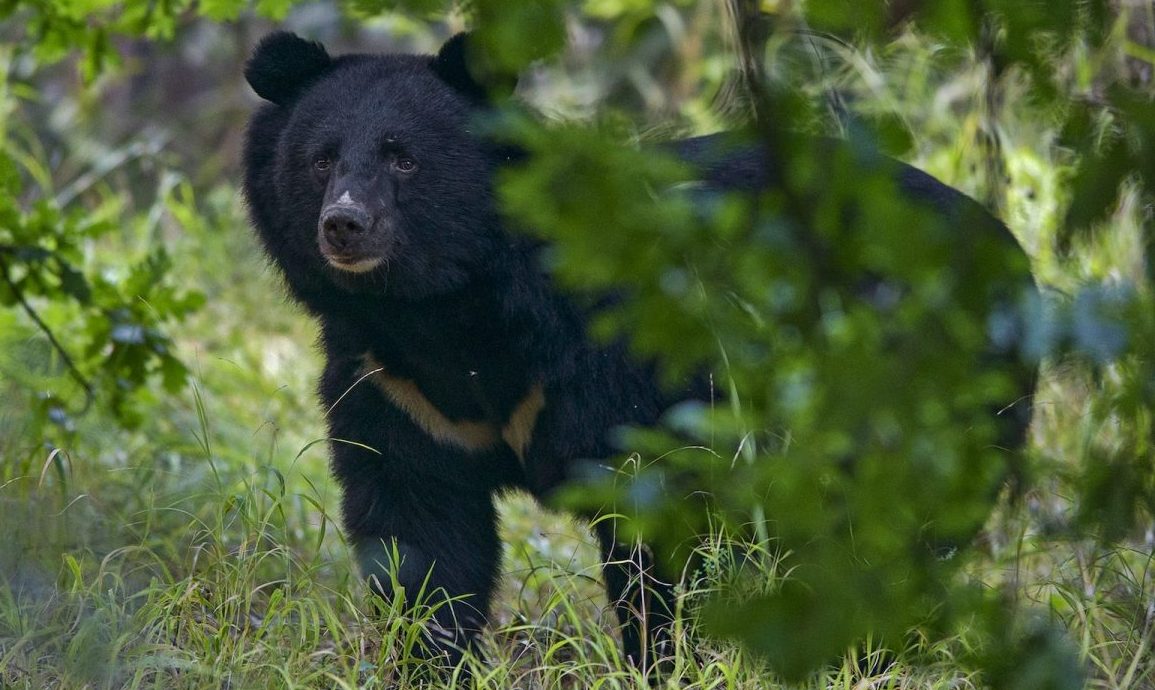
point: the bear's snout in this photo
(345, 234)
(344, 225)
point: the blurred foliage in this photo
(858, 431)
(852, 438)
(84, 261)
(858, 477)
(103, 320)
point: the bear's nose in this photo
(341, 224)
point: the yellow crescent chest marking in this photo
(518, 430)
(470, 436)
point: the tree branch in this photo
(89, 394)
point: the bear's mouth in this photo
(350, 263)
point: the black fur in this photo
(461, 311)
(457, 309)
(283, 64)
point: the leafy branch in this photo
(30, 311)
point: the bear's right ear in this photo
(283, 64)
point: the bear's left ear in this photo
(283, 64)
(456, 65)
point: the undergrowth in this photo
(203, 552)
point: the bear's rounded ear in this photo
(283, 64)
(458, 66)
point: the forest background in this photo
(167, 513)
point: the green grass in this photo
(202, 551)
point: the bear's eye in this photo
(405, 164)
(322, 164)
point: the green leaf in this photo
(73, 283)
(514, 34)
(276, 10)
(848, 18)
(425, 8)
(957, 21)
(174, 374)
(1096, 186)
(221, 10)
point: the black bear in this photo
(454, 369)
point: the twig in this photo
(89, 394)
(751, 31)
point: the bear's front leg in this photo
(414, 534)
(419, 514)
(644, 602)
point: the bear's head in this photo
(362, 173)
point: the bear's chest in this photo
(458, 375)
(509, 424)
(463, 370)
